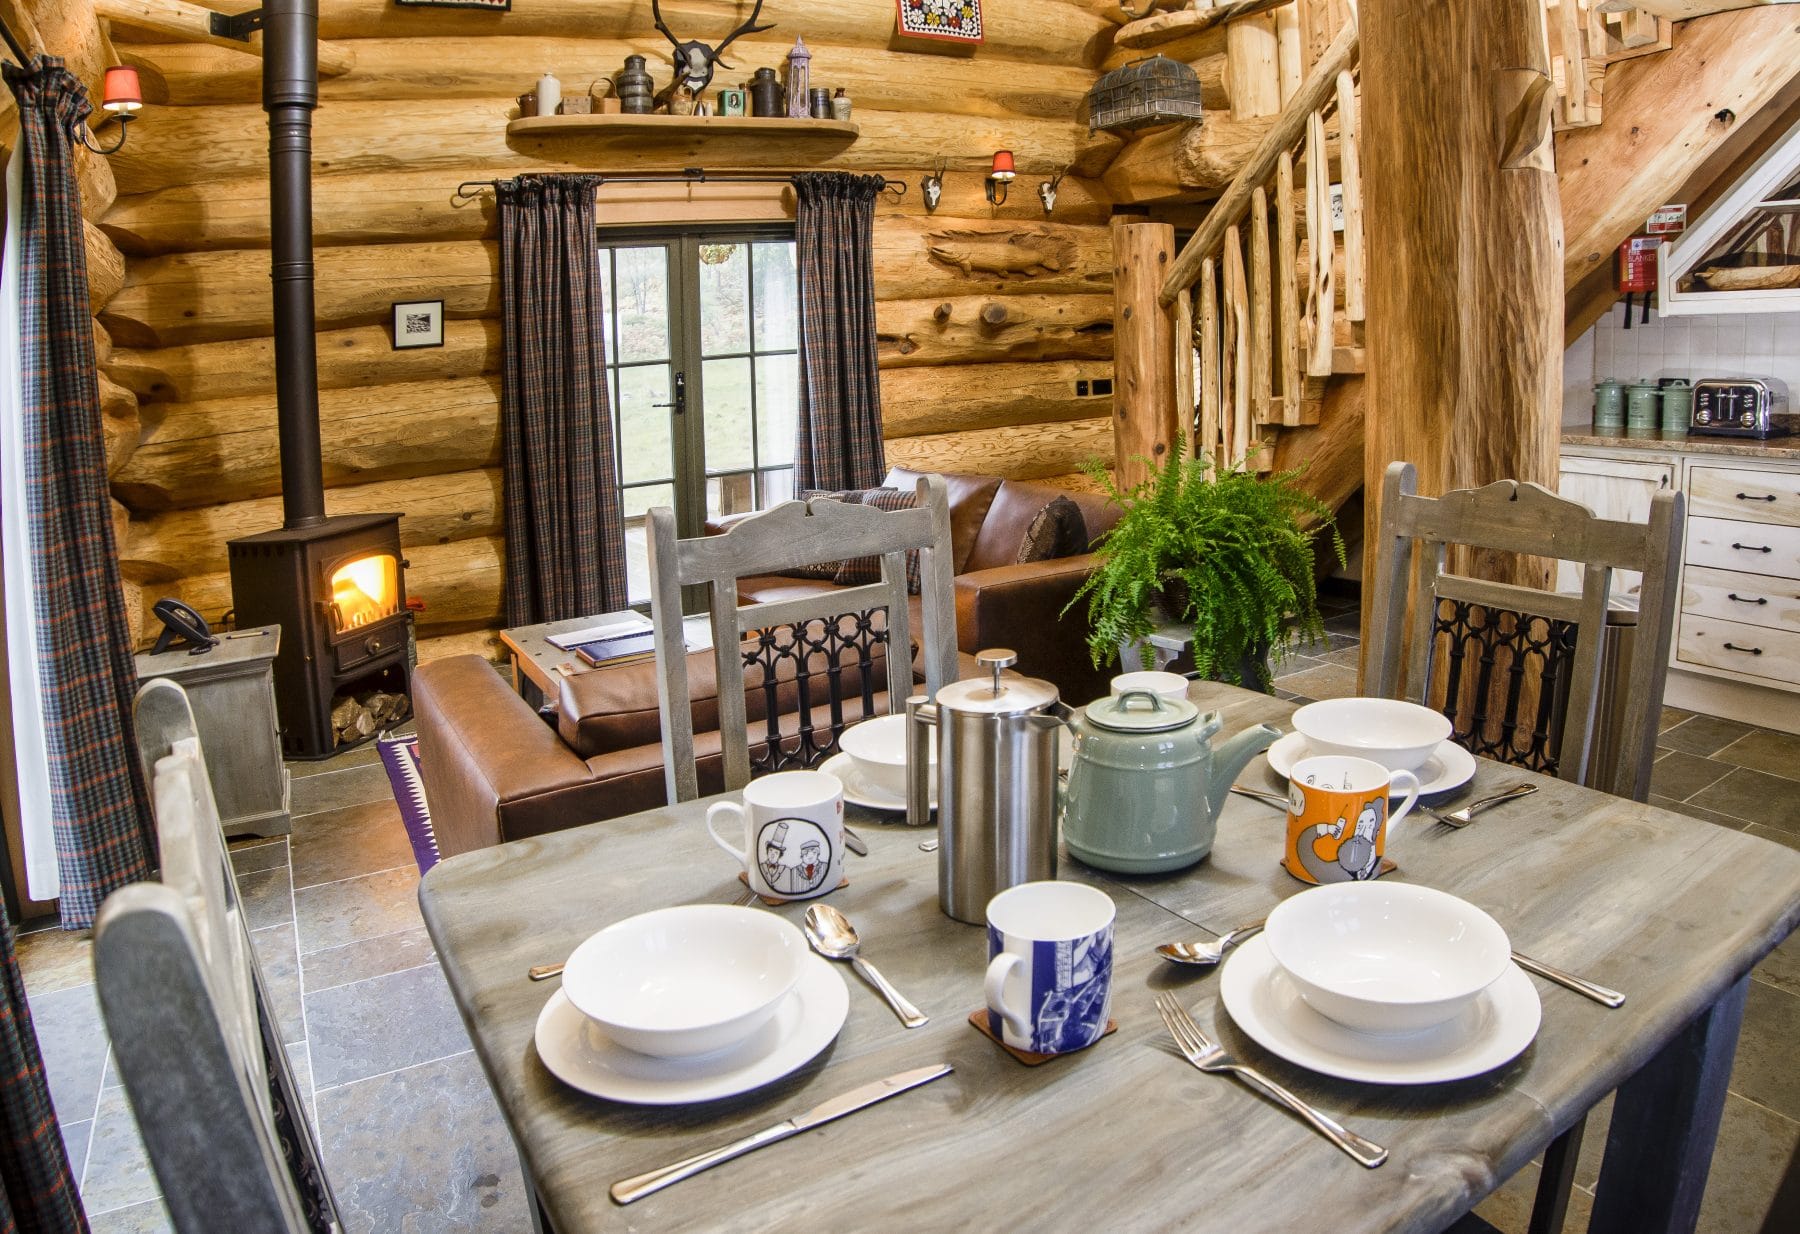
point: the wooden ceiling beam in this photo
(1681, 10)
(191, 23)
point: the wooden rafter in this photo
(191, 23)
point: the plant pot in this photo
(1253, 668)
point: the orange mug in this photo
(1338, 817)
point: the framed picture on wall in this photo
(499, 6)
(956, 20)
(418, 323)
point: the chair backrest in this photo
(189, 1016)
(1519, 667)
(786, 537)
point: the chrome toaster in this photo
(1742, 407)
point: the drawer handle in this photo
(1752, 548)
(1755, 651)
(1748, 497)
(1732, 595)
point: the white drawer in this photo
(1771, 655)
(1752, 599)
(1752, 496)
(1754, 548)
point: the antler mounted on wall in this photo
(694, 60)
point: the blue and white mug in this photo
(1049, 977)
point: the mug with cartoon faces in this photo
(1338, 817)
(793, 828)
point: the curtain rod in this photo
(687, 175)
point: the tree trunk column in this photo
(1465, 290)
(1145, 419)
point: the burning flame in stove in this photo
(365, 590)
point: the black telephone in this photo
(182, 627)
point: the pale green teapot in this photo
(1147, 783)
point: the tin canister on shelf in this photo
(1643, 403)
(1677, 407)
(1609, 404)
(820, 103)
(766, 97)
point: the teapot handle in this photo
(1124, 699)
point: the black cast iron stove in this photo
(336, 586)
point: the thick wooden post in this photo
(1465, 296)
(1144, 419)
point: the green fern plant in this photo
(1224, 550)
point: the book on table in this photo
(619, 649)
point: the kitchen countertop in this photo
(1779, 449)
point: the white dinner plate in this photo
(581, 1056)
(1495, 1029)
(1448, 768)
(858, 791)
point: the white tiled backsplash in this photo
(1726, 345)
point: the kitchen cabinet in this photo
(1619, 489)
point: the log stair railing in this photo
(1258, 298)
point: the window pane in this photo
(637, 553)
(777, 487)
(733, 494)
(646, 451)
(724, 298)
(609, 304)
(643, 304)
(777, 297)
(639, 499)
(728, 444)
(777, 408)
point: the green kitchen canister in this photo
(1677, 408)
(1609, 404)
(1643, 404)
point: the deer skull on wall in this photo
(694, 60)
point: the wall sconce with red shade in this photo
(121, 96)
(1000, 177)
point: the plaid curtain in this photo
(838, 444)
(99, 808)
(565, 531)
(37, 1190)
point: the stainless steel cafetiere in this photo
(997, 791)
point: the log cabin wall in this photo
(988, 317)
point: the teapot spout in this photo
(1230, 757)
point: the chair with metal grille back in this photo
(1518, 669)
(189, 1014)
(824, 643)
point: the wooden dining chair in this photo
(1518, 669)
(190, 1018)
(830, 633)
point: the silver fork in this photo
(1212, 1058)
(1458, 819)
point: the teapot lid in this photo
(994, 695)
(1141, 711)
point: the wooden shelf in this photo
(748, 128)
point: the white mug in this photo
(793, 828)
(1049, 977)
(1169, 685)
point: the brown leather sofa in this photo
(494, 771)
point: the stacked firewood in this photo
(356, 716)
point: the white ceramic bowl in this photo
(1397, 734)
(689, 980)
(1169, 685)
(878, 749)
(1383, 957)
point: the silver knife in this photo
(627, 1190)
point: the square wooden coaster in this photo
(774, 903)
(1388, 866)
(978, 1019)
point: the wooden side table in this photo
(538, 665)
(232, 691)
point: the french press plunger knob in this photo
(997, 659)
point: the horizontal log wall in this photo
(988, 318)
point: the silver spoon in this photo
(1210, 953)
(833, 937)
(928, 846)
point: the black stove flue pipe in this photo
(290, 94)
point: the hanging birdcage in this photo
(1154, 90)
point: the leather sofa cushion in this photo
(969, 498)
(1009, 517)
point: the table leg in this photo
(540, 1220)
(1665, 1121)
(1555, 1181)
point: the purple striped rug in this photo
(400, 755)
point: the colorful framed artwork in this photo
(418, 323)
(498, 6)
(956, 20)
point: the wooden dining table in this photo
(1125, 1135)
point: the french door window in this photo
(702, 357)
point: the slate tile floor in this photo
(413, 1141)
